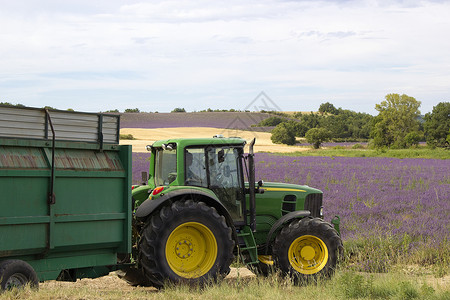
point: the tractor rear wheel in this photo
(307, 248)
(185, 242)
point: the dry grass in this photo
(145, 137)
(242, 284)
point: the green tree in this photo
(283, 134)
(297, 128)
(271, 121)
(413, 138)
(316, 136)
(10, 104)
(396, 118)
(328, 108)
(307, 121)
(132, 110)
(178, 110)
(348, 124)
(437, 124)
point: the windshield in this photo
(166, 167)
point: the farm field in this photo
(234, 120)
(146, 136)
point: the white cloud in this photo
(316, 51)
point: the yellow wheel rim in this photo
(191, 250)
(308, 254)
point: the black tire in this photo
(188, 232)
(133, 276)
(16, 274)
(307, 249)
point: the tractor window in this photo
(225, 178)
(166, 167)
(196, 167)
(218, 169)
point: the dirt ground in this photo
(112, 281)
(145, 137)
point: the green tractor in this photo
(197, 213)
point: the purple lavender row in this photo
(234, 120)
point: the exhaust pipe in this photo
(251, 185)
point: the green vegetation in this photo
(328, 108)
(223, 110)
(10, 104)
(419, 152)
(340, 124)
(398, 124)
(283, 134)
(132, 110)
(126, 137)
(437, 125)
(274, 112)
(271, 121)
(178, 110)
(398, 117)
(344, 285)
(316, 136)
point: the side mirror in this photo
(221, 156)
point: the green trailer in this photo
(65, 188)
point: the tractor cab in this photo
(211, 165)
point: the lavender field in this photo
(392, 210)
(233, 120)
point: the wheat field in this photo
(145, 136)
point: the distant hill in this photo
(232, 120)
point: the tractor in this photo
(200, 207)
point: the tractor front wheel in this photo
(185, 242)
(307, 248)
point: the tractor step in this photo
(247, 248)
(250, 246)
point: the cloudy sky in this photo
(158, 55)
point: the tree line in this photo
(398, 124)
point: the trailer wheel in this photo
(185, 242)
(17, 273)
(307, 248)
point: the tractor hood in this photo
(287, 187)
